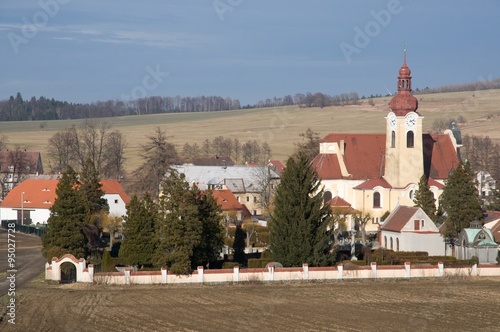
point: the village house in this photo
(251, 185)
(375, 173)
(30, 201)
(410, 229)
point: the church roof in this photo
(372, 183)
(341, 206)
(364, 157)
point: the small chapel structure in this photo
(375, 173)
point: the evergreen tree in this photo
(239, 245)
(91, 192)
(64, 233)
(298, 226)
(139, 230)
(424, 198)
(460, 201)
(212, 232)
(180, 229)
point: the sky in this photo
(86, 51)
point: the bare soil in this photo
(447, 304)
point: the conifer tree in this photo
(424, 198)
(64, 233)
(239, 245)
(212, 231)
(91, 192)
(180, 229)
(460, 201)
(139, 230)
(298, 226)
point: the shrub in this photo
(229, 265)
(258, 263)
(107, 262)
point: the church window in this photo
(392, 244)
(410, 139)
(385, 242)
(327, 196)
(397, 244)
(411, 194)
(393, 139)
(376, 199)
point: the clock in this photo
(411, 120)
(392, 120)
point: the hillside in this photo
(279, 126)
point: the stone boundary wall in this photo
(270, 274)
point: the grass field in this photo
(279, 127)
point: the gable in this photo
(399, 218)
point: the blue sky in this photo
(84, 51)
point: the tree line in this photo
(42, 108)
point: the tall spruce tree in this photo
(460, 201)
(424, 198)
(298, 226)
(212, 231)
(91, 193)
(139, 231)
(64, 233)
(180, 229)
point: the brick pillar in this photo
(270, 268)
(407, 270)
(440, 269)
(126, 271)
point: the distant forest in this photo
(18, 109)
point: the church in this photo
(375, 173)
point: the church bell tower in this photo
(404, 162)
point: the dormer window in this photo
(45, 189)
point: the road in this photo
(29, 262)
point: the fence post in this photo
(440, 269)
(126, 271)
(340, 269)
(163, 275)
(270, 268)
(408, 270)
(474, 270)
(200, 274)
(91, 272)
(305, 271)
(374, 269)
(236, 274)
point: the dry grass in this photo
(280, 127)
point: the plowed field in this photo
(448, 304)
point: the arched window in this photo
(393, 139)
(410, 140)
(327, 196)
(397, 244)
(385, 242)
(392, 244)
(376, 199)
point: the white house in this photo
(31, 200)
(410, 229)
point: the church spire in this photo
(404, 102)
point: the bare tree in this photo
(309, 144)
(19, 166)
(114, 155)
(158, 154)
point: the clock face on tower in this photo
(411, 120)
(392, 120)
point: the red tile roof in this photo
(372, 183)
(41, 194)
(439, 155)
(342, 206)
(227, 200)
(364, 157)
(433, 183)
(398, 218)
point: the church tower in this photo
(404, 161)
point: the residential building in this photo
(31, 200)
(251, 185)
